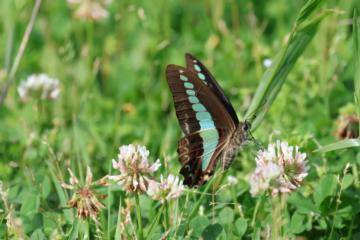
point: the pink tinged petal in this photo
(142, 184)
(171, 179)
(155, 166)
(254, 185)
(122, 167)
(143, 165)
(135, 182)
(152, 188)
(115, 177)
(115, 164)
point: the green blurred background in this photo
(114, 92)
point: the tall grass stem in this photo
(20, 53)
(156, 220)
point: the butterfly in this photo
(208, 120)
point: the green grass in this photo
(114, 92)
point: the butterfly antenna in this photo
(253, 114)
(258, 145)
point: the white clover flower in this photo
(4, 193)
(279, 169)
(14, 225)
(134, 168)
(39, 86)
(267, 62)
(165, 190)
(85, 199)
(232, 180)
(90, 9)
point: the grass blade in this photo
(74, 233)
(343, 144)
(63, 198)
(309, 7)
(20, 53)
(356, 37)
(303, 32)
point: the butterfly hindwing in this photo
(204, 120)
(198, 159)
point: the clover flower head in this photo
(39, 86)
(4, 193)
(280, 168)
(14, 225)
(347, 126)
(134, 168)
(167, 189)
(232, 180)
(85, 199)
(90, 10)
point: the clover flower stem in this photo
(118, 222)
(338, 201)
(39, 111)
(257, 206)
(85, 229)
(278, 208)
(167, 217)
(138, 215)
(41, 115)
(156, 220)
(109, 222)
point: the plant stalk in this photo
(138, 215)
(20, 53)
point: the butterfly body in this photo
(212, 130)
(237, 140)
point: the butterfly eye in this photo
(246, 126)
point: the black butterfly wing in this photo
(201, 71)
(205, 121)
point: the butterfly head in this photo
(246, 126)
(246, 133)
(242, 133)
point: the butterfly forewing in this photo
(201, 72)
(204, 120)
